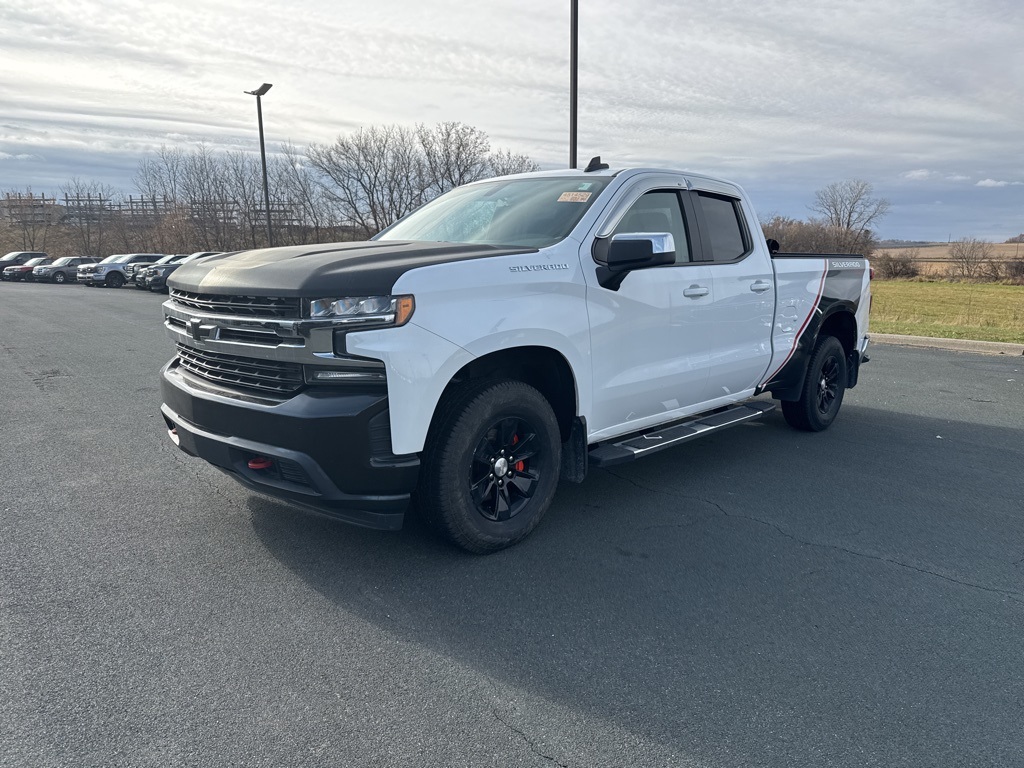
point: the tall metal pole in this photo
(263, 158)
(574, 23)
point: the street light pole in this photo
(574, 24)
(263, 154)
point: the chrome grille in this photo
(241, 372)
(244, 306)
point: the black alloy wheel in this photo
(114, 280)
(828, 385)
(504, 475)
(823, 390)
(491, 465)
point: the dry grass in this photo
(977, 311)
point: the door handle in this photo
(760, 286)
(696, 291)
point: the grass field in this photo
(981, 312)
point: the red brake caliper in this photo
(520, 465)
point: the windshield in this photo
(64, 260)
(36, 262)
(10, 256)
(520, 212)
(116, 258)
(170, 257)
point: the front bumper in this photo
(329, 451)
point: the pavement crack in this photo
(187, 466)
(1016, 596)
(529, 742)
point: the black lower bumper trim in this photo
(322, 457)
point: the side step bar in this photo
(610, 454)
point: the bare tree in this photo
(969, 257)
(29, 217)
(161, 174)
(816, 236)
(88, 213)
(504, 162)
(376, 175)
(453, 154)
(849, 208)
(295, 182)
(243, 204)
(891, 265)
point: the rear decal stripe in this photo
(814, 308)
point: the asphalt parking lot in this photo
(759, 598)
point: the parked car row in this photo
(154, 276)
(146, 270)
(12, 265)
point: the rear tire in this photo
(823, 390)
(491, 465)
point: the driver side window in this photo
(658, 212)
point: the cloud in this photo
(994, 183)
(88, 88)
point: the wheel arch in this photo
(839, 321)
(543, 368)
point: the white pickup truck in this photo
(508, 334)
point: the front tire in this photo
(491, 466)
(823, 390)
(114, 280)
(60, 277)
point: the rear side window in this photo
(725, 230)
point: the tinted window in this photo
(725, 232)
(657, 212)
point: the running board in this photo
(609, 454)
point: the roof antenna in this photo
(595, 164)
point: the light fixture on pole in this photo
(574, 24)
(263, 153)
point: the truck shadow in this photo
(783, 593)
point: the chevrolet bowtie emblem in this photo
(197, 330)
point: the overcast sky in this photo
(922, 99)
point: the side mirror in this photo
(628, 251)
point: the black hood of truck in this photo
(368, 268)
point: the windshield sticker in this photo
(585, 185)
(574, 197)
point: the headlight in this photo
(382, 310)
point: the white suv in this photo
(110, 272)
